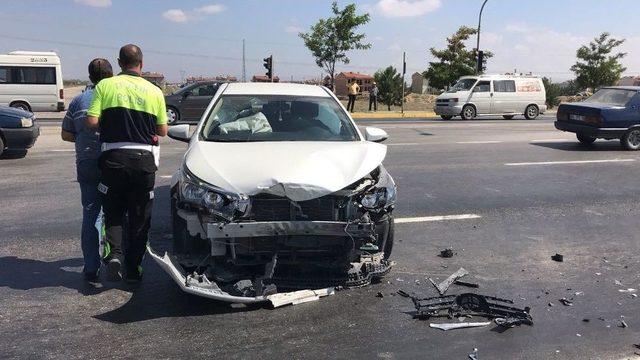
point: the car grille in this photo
(282, 209)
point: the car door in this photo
(196, 100)
(481, 97)
(504, 100)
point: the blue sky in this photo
(205, 37)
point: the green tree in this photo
(454, 61)
(596, 65)
(552, 91)
(330, 39)
(389, 86)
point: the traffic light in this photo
(480, 61)
(268, 64)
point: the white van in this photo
(506, 95)
(31, 81)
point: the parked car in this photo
(187, 104)
(610, 113)
(505, 95)
(278, 189)
(18, 129)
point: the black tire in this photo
(631, 139)
(173, 115)
(1, 145)
(21, 105)
(507, 117)
(388, 244)
(446, 117)
(468, 112)
(531, 112)
(585, 139)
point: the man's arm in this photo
(68, 136)
(95, 109)
(161, 117)
(92, 122)
(162, 129)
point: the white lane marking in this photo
(549, 140)
(63, 150)
(568, 162)
(479, 142)
(404, 144)
(166, 176)
(436, 218)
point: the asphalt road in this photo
(535, 192)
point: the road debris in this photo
(298, 297)
(617, 282)
(443, 286)
(472, 304)
(467, 284)
(446, 253)
(452, 326)
(629, 290)
(474, 354)
(380, 294)
(557, 257)
(566, 302)
(623, 324)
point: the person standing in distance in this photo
(353, 89)
(88, 175)
(130, 113)
(373, 97)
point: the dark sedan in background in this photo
(611, 113)
(18, 129)
(187, 104)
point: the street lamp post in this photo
(479, 65)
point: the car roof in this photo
(275, 89)
(634, 88)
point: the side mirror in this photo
(179, 132)
(375, 134)
(186, 94)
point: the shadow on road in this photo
(25, 274)
(576, 146)
(13, 154)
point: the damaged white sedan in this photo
(279, 190)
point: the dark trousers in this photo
(88, 178)
(128, 179)
(373, 100)
(351, 103)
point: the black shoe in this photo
(113, 270)
(133, 276)
(91, 276)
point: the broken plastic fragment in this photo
(557, 257)
(298, 297)
(452, 326)
(629, 290)
(443, 286)
(566, 302)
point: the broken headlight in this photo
(208, 198)
(382, 194)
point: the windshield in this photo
(240, 118)
(463, 85)
(616, 97)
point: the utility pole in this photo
(404, 70)
(478, 52)
(244, 64)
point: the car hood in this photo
(590, 105)
(6, 111)
(297, 170)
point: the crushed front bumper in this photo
(201, 286)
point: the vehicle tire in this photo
(21, 105)
(507, 117)
(446, 117)
(468, 112)
(388, 244)
(631, 139)
(173, 115)
(1, 145)
(531, 112)
(585, 139)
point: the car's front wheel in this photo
(468, 112)
(173, 116)
(585, 139)
(531, 112)
(631, 139)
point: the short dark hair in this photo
(130, 56)
(99, 69)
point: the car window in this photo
(4, 75)
(204, 90)
(482, 86)
(616, 97)
(504, 86)
(240, 118)
(463, 85)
